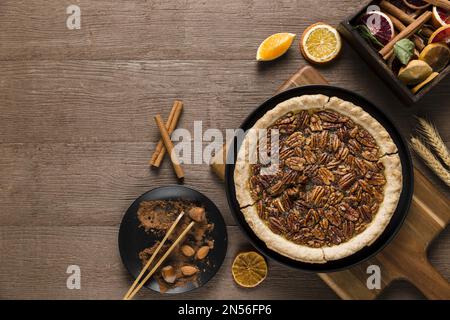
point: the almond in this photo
(202, 252)
(189, 270)
(168, 274)
(187, 250)
(197, 214)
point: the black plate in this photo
(133, 239)
(405, 197)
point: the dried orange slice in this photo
(441, 35)
(424, 83)
(320, 43)
(249, 269)
(274, 46)
(437, 55)
(441, 17)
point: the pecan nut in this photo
(330, 182)
(296, 163)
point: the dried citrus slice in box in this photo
(380, 25)
(437, 55)
(421, 85)
(441, 35)
(441, 17)
(416, 4)
(415, 72)
(274, 46)
(320, 43)
(249, 269)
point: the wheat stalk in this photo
(431, 135)
(430, 160)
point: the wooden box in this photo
(371, 56)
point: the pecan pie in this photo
(335, 186)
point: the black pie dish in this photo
(403, 205)
(133, 239)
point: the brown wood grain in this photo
(86, 184)
(76, 127)
(64, 246)
(85, 101)
(39, 271)
(138, 29)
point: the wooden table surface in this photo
(76, 128)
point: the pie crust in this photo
(388, 156)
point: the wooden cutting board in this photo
(406, 256)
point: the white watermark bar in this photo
(260, 146)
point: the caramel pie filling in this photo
(329, 183)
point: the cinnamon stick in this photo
(160, 144)
(388, 55)
(160, 149)
(400, 27)
(406, 33)
(402, 16)
(169, 146)
(171, 124)
(396, 22)
(444, 4)
(396, 12)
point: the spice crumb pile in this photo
(191, 256)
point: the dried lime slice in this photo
(437, 55)
(424, 83)
(415, 72)
(249, 269)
